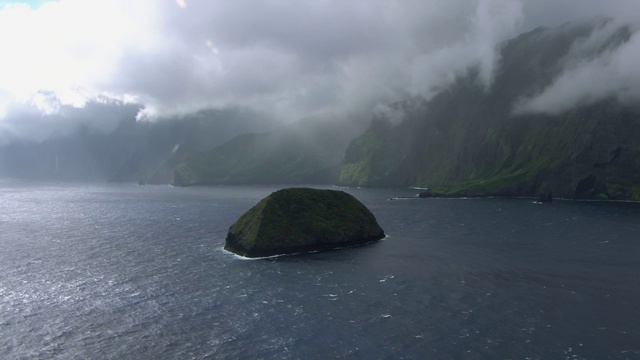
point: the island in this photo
(298, 220)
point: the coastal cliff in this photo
(471, 140)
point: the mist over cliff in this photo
(531, 130)
(131, 151)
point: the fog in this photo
(289, 58)
(589, 78)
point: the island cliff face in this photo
(301, 220)
(470, 141)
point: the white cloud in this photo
(285, 55)
(69, 48)
(495, 22)
(597, 76)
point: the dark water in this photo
(138, 272)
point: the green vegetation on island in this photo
(301, 220)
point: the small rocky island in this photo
(301, 220)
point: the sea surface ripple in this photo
(138, 272)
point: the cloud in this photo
(553, 13)
(290, 58)
(295, 57)
(487, 28)
(592, 74)
(495, 22)
(67, 49)
(30, 121)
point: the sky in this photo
(72, 59)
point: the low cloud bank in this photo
(602, 66)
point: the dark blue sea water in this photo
(138, 272)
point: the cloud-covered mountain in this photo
(549, 120)
(306, 151)
(131, 151)
(439, 76)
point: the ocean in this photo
(121, 271)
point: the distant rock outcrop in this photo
(545, 196)
(300, 220)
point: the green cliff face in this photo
(300, 220)
(467, 141)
